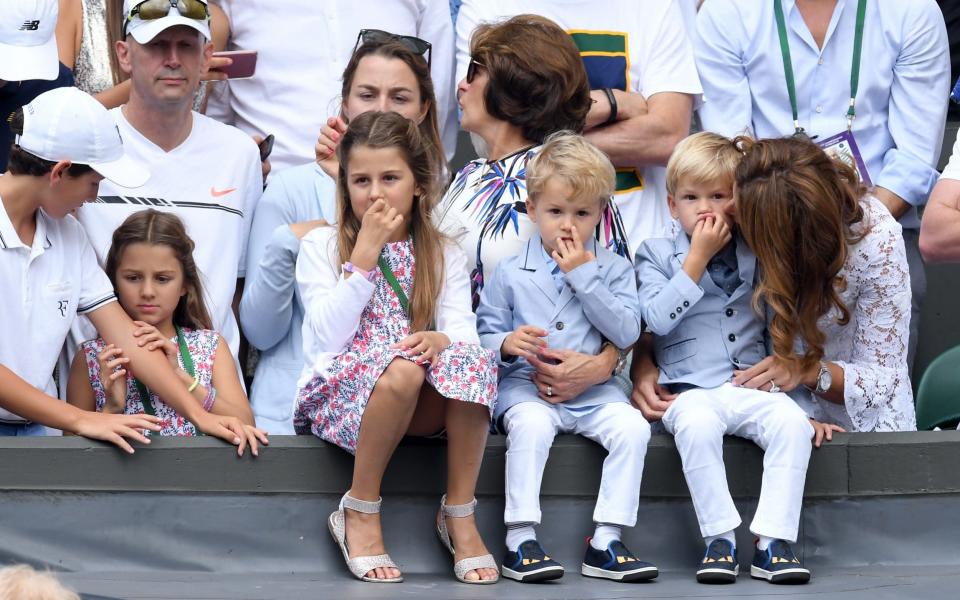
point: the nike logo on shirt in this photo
(217, 193)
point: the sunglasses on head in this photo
(151, 10)
(472, 69)
(411, 43)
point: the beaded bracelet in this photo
(210, 399)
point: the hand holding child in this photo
(111, 359)
(571, 254)
(423, 345)
(378, 225)
(326, 147)
(527, 342)
(152, 339)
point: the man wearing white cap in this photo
(66, 144)
(28, 59)
(205, 172)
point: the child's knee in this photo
(631, 431)
(697, 424)
(527, 425)
(792, 426)
(401, 379)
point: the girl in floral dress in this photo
(390, 342)
(150, 264)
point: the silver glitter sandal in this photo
(462, 567)
(359, 565)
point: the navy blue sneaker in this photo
(530, 563)
(719, 564)
(778, 564)
(616, 563)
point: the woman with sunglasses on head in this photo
(385, 73)
(525, 81)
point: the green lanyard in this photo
(188, 367)
(788, 64)
(392, 280)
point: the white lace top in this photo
(872, 347)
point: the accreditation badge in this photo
(843, 146)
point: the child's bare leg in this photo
(385, 420)
(467, 426)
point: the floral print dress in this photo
(202, 344)
(331, 405)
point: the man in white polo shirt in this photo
(205, 172)
(66, 144)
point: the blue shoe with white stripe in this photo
(530, 563)
(719, 564)
(616, 563)
(778, 564)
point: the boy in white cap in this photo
(205, 172)
(29, 64)
(66, 144)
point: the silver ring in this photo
(774, 388)
(549, 390)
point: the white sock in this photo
(729, 536)
(764, 542)
(604, 534)
(518, 533)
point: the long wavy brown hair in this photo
(164, 229)
(796, 208)
(390, 130)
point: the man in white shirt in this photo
(49, 274)
(303, 47)
(940, 230)
(889, 99)
(639, 50)
(205, 172)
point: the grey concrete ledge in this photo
(865, 464)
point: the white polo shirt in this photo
(44, 287)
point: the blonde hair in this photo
(581, 165)
(22, 582)
(700, 158)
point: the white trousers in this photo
(617, 426)
(698, 420)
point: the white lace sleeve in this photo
(872, 348)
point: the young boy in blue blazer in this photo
(563, 291)
(696, 293)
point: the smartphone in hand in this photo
(266, 147)
(244, 63)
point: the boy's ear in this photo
(531, 209)
(59, 171)
(672, 205)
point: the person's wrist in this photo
(364, 258)
(612, 101)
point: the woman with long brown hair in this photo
(835, 284)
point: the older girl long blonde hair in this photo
(390, 130)
(796, 208)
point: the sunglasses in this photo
(151, 10)
(411, 43)
(472, 69)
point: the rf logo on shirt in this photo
(62, 307)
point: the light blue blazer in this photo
(701, 335)
(597, 303)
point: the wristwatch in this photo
(824, 379)
(621, 358)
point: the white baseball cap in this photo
(145, 30)
(28, 47)
(67, 124)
